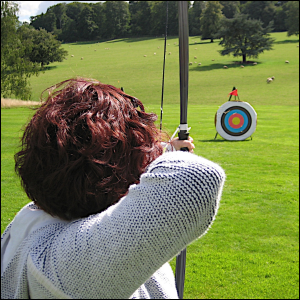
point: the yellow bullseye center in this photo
(236, 121)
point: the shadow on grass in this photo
(137, 39)
(238, 64)
(204, 43)
(48, 68)
(84, 42)
(116, 40)
(222, 141)
(287, 42)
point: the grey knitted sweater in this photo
(122, 252)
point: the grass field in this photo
(252, 249)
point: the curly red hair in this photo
(84, 147)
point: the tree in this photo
(158, 17)
(230, 8)
(88, 27)
(173, 18)
(16, 67)
(116, 18)
(99, 19)
(244, 37)
(46, 21)
(280, 17)
(41, 46)
(260, 10)
(59, 10)
(140, 18)
(293, 18)
(74, 9)
(210, 20)
(194, 17)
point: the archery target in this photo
(235, 120)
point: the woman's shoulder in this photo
(185, 161)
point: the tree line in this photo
(119, 19)
(242, 26)
(25, 51)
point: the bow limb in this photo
(183, 127)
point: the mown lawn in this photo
(252, 249)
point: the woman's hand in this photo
(183, 143)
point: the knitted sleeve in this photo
(111, 254)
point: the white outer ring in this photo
(227, 105)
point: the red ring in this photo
(236, 115)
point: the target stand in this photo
(235, 121)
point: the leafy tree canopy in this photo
(16, 67)
(140, 21)
(210, 19)
(244, 37)
(119, 19)
(293, 18)
(41, 46)
(230, 8)
(194, 17)
(260, 10)
(87, 23)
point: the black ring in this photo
(236, 133)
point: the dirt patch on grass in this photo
(8, 103)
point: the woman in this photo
(109, 209)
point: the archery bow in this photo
(183, 127)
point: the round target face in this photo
(235, 120)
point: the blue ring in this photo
(226, 121)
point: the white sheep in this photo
(199, 64)
(81, 58)
(255, 63)
(95, 50)
(158, 47)
(212, 60)
(242, 66)
(195, 57)
(195, 48)
(225, 67)
(154, 53)
(287, 62)
(169, 53)
(269, 80)
(190, 63)
(72, 55)
(145, 55)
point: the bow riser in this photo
(184, 68)
(183, 127)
